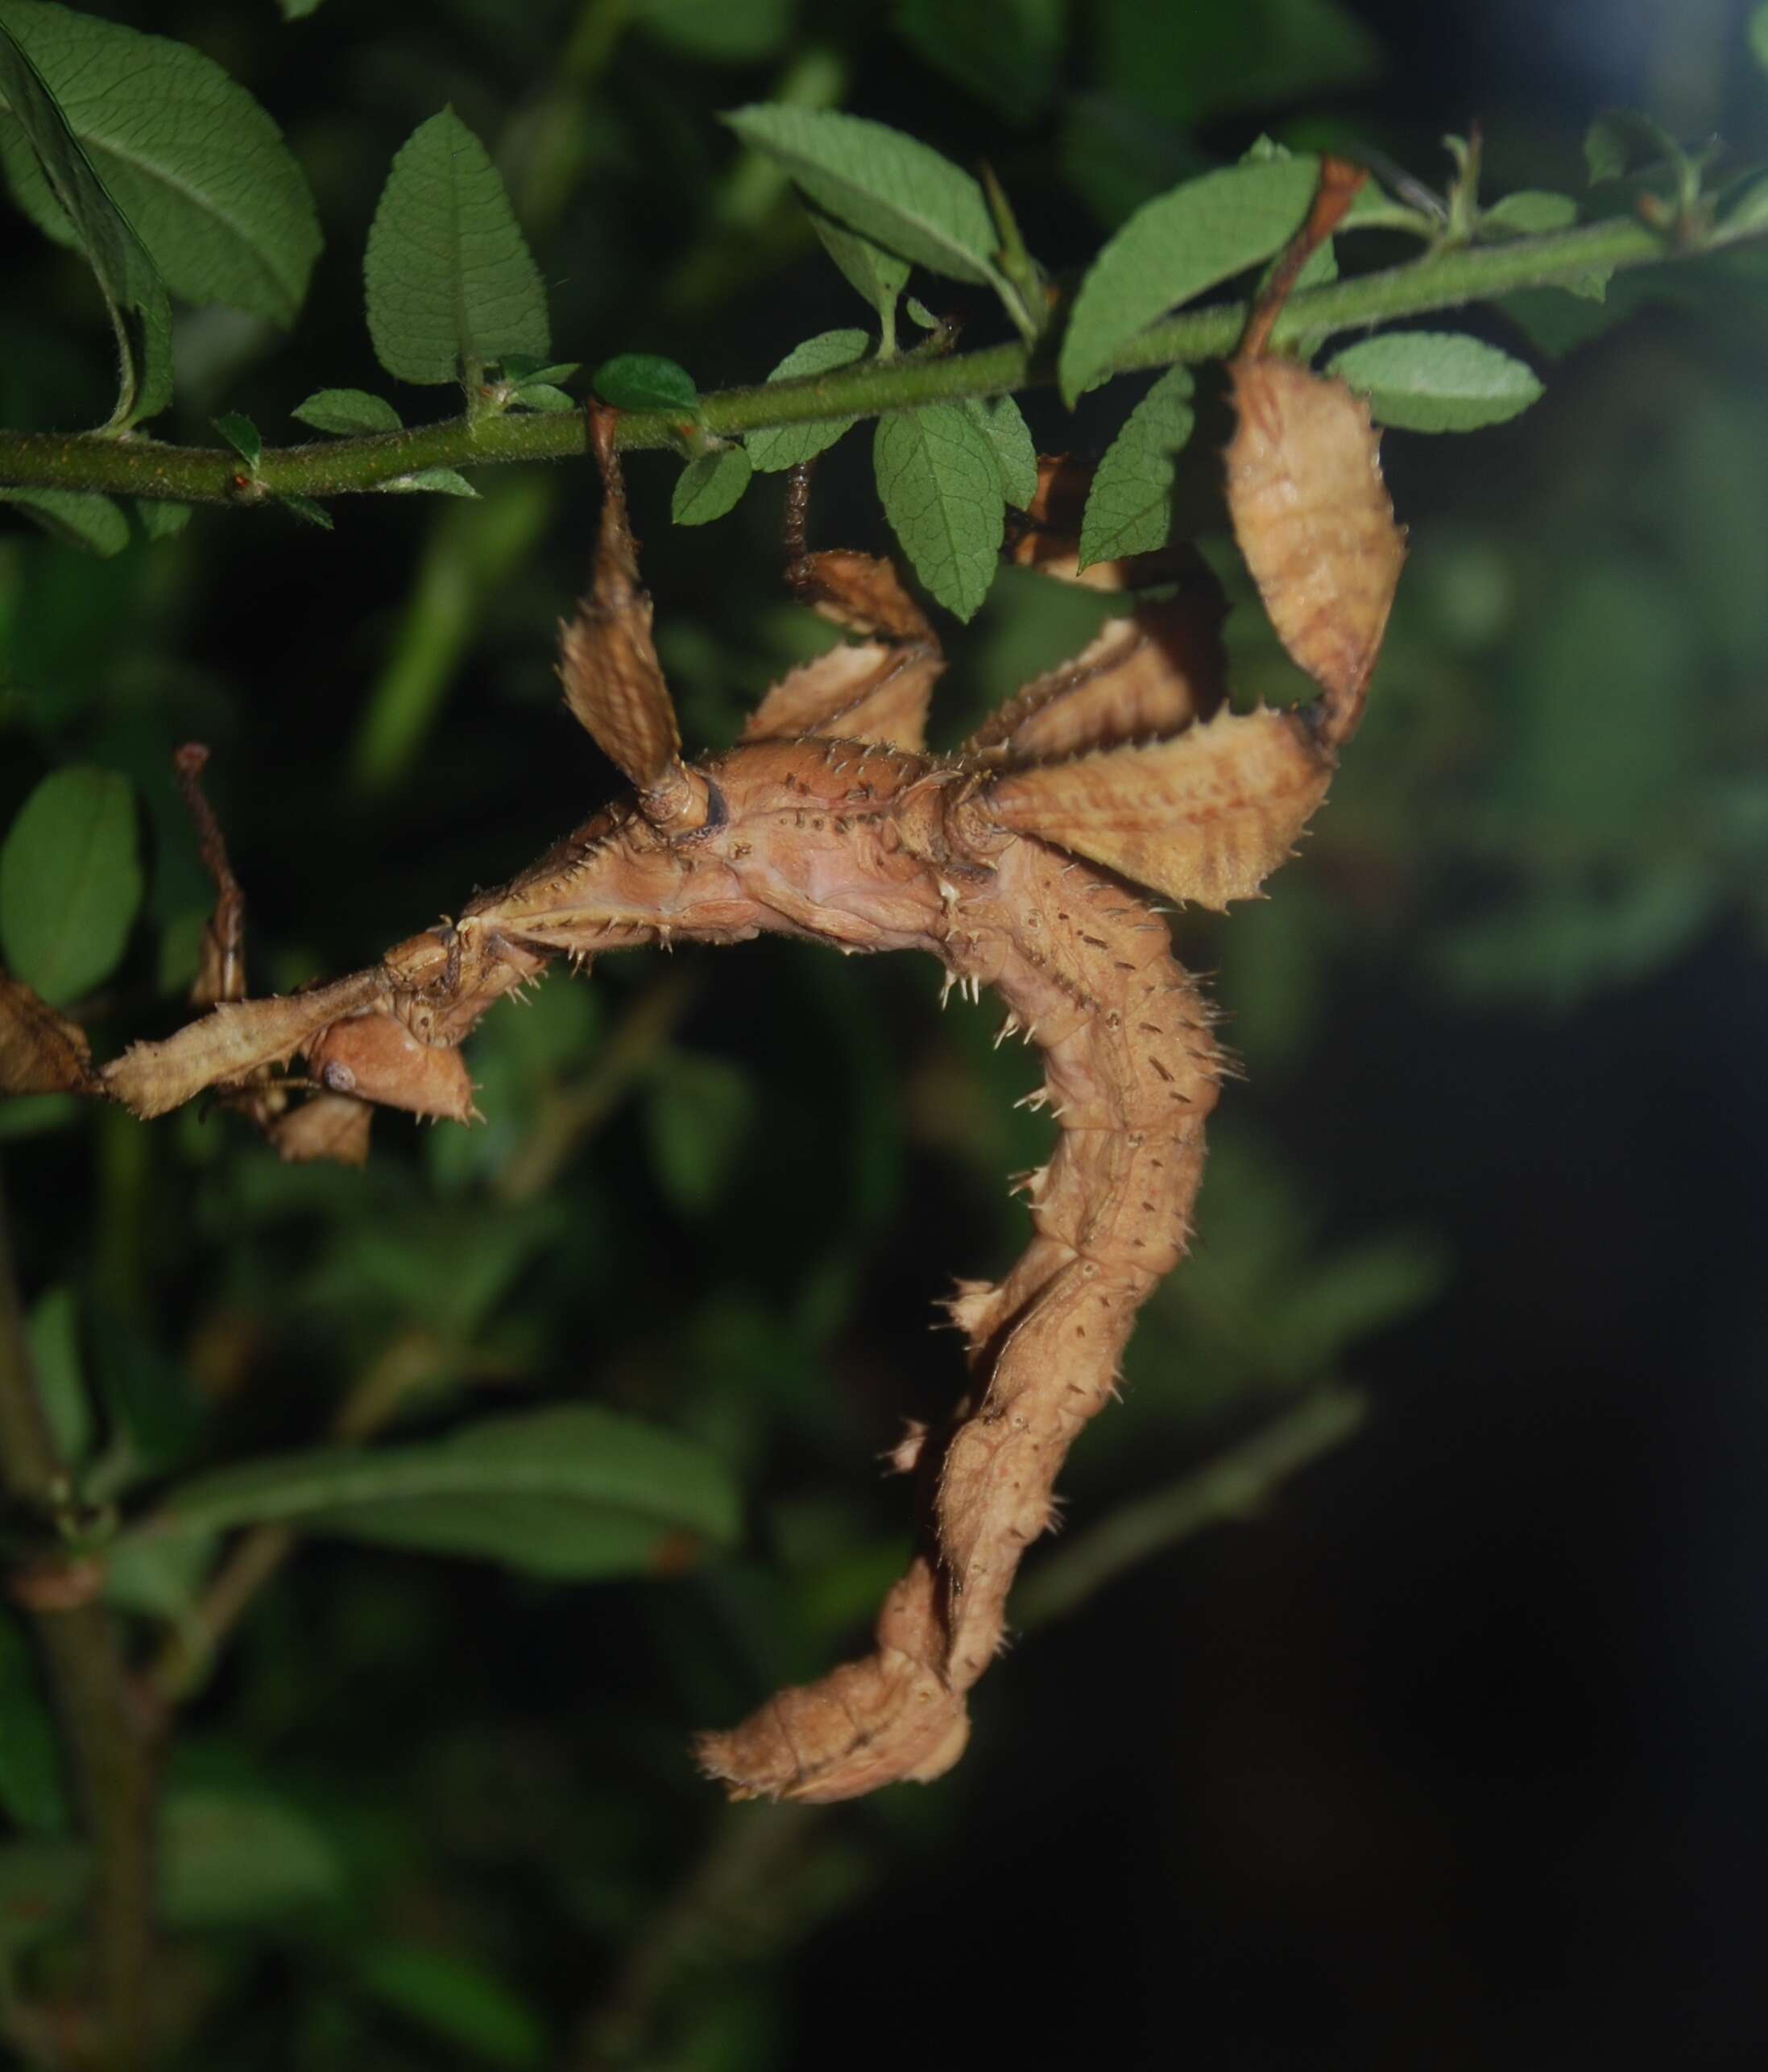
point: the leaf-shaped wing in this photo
(1313, 520)
(1206, 817)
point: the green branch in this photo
(110, 1750)
(1234, 1483)
(132, 466)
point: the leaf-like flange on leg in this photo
(1149, 673)
(230, 1042)
(1313, 520)
(1206, 817)
(377, 1058)
(332, 1127)
(608, 664)
(876, 690)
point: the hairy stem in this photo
(336, 467)
(107, 1737)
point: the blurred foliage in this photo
(438, 1812)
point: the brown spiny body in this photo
(1014, 863)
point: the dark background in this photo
(1451, 1753)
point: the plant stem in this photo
(107, 1737)
(335, 467)
(411, 1361)
(1230, 1486)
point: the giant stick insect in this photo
(1015, 863)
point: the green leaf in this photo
(1529, 211)
(31, 1793)
(1758, 36)
(710, 485)
(542, 396)
(161, 519)
(347, 413)
(434, 481)
(1620, 139)
(246, 441)
(229, 1856)
(940, 482)
(1129, 507)
(643, 381)
(298, 11)
(576, 1491)
(1200, 235)
(75, 517)
(307, 510)
(159, 1579)
(70, 882)
(1006, 52)
(61, 1383)
(458, 2000)
(134, 292)
(777, 447)
(717, 31)
(1436, 381)
(452, 286)
(187, 156)
(524, 367)
(1002, 424)
(696, 1116)
(875, 276)
(152, 1412)
(897, 191)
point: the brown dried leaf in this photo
(1206, 817)
(41, 1051)
(1313, 520)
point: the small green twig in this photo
(571, 1114)
(109, 1739)
(1229, 1486)
(411, 1361)
(337, 467)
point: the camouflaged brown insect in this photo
(1015, 863)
